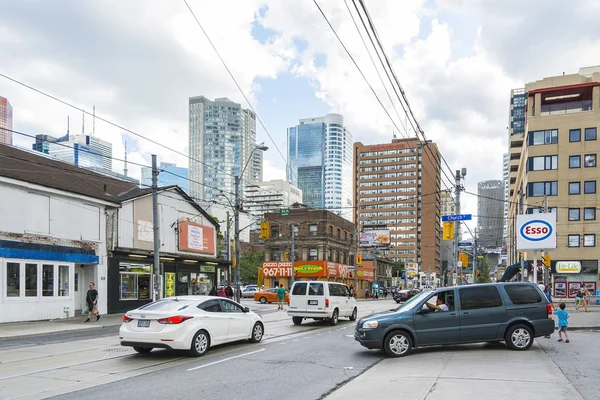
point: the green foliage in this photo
(484, 271)
(397, 268)
(250, 263)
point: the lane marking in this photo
(225, 359)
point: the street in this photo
(311, 361)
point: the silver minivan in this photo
(321, 301)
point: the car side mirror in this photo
(246, 310)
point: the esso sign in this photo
(536, 230)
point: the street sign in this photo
(536, 231)
(458, 217)
(284, 212)
(465, 244)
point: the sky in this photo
(139, 61)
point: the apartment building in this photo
(557, 167)
(397, 186)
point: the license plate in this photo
(313, 302)
(144, 323)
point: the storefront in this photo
(569, 276)
(276, 273)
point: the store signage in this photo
(412, 269)
(145, 231)
(308, 269)
(536, 231)
(568, 267)
(196, 238)
(169, 284)
(207, 268)
(390, 146)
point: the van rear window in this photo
(315, 289)
(299, 289)
(522, 294)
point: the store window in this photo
(13, 280)
(135, 281)
(47, 280)
(31, 280)
(63, 280)
(37, 279)
(574, 240)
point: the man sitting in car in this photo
(439, 306)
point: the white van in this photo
(321, 301)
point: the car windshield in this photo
(413, 301)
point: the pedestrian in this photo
(221, 292)
(213, 291)
(91, 300)
(582, 296)
(385, 293)
(280, 297)
(563, 322)
(366, 293)
(229, 291)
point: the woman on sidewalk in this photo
(583, 297)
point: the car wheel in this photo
(143, 350)
(354, 314)
(297, 320)
(263, 300)
(200, 344)
(398, 301)
(519, 337)
(257, 333)
(334, 318)
(398, 344)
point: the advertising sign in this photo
(568, 267)
(196, 238)
(536, 231)
(313, 269)
(169, 284)
(145, 231)
(412, 269)
(375, 238)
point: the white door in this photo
(336, 299)
(78, 288)
(215, 320)
(239, 321)
(298, 296)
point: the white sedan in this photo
(192, 323)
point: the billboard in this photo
(412, 269)
(196, 238)
(375, 238)
(536, 231)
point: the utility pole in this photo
(236, 215)
(228, 246)
(156, 268)
(475, 257)
(515, 235)
(460, 174)
(293, 254)
(355, 258)
(546, 269)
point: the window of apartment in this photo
(542, 188)
(589, 187)
(574, 161)
(575, 135)
(330, 230)
(313, 254)
(574, 214)
(589, 214)
(574, 187)
(573, 240)
(543, 163)
(590, 133)
(589, 240)
(339, 233)
(312, 229)
(543, 137)
(589, 160)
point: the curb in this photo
(34, 335)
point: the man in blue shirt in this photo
(563, 322)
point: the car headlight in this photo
(370, 324)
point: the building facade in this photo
(320, 162)
(222, 137)
(324, 247)
(490, 213)
(558, 167)
(505, 180)
(80, 150)
(169, 174)
(6, 122)
(270, 196)
(397, 186)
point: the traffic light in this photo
(546, 260)
(478, 272)
(521, 255)
(359, 259)
(286, 256)
(448, 231)
(464, 259)
(265, 230)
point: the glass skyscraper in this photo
(222, 136)
(320, 163)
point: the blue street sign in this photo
(465, 244)
(459, 217)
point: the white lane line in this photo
(225, 359)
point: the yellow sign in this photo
(360, 272)
(546, 260)
(448, 231)
(359, 259)
(265, 230)
(169, 284)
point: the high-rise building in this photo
(516, 133)
(6, 122)
(447, 207)
(169, 174)
(397, 186)
(505, 173)
(270, 196)
(81, 150)
(558, 165)
(320, 163)
(490, 213)
(222, 137)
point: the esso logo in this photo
(536, 230)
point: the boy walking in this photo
(563, 323)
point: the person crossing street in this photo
(280, 297)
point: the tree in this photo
(250, 263)
(483, 271)
(397, 268)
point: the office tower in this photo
(397, 187)
(558, 165)
(82, 150)
(222, 137)
(6, 122)
(320, 163)
(169, 174)
(505, 174)
(270, 196)
(490, 213)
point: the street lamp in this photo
(236, 214)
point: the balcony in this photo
(566, 107)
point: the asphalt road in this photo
(579, 360)
(301, 366)
(58, 337)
